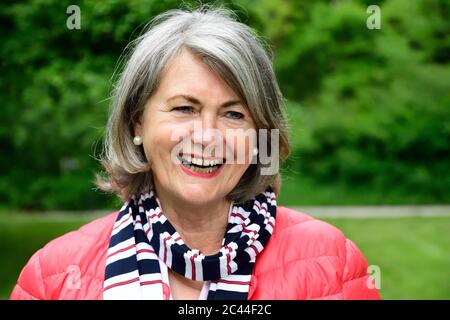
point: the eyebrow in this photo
(194, 100)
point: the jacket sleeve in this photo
(30, 285)
(357, 283)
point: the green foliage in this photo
(369, 108)
(375, 107)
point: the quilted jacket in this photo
(304, 259)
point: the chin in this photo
(197, 193)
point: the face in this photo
(196, 118)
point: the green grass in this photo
(300, 190)
(412, 252)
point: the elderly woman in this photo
(184, 151)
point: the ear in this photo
(138, 130)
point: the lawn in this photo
(412, 253)
(298, 190)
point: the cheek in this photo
(240, 148)
(158, 143)
(233, 174)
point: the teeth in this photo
(187, 160)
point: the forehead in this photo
(188, 74)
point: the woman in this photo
(186, 150)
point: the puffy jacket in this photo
(305, 258)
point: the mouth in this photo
(208, 166)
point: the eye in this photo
(183, 109)
(235, 115)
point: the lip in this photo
(206, 175)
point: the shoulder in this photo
(81, 253)
(77, 246)
(301, 227)
(298, 236)
(307, 258)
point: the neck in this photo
(201, 226)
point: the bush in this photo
(368, 107)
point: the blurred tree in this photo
(368, 107)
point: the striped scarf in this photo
(144, 244)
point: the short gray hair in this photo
(233, 50)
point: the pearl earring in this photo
(137, 140)
(255, 151)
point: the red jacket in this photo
(304, 259)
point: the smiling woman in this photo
(202, 67)
(200, 218)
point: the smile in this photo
(201, 167)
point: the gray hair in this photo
(233, 50)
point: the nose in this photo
(205, 129)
